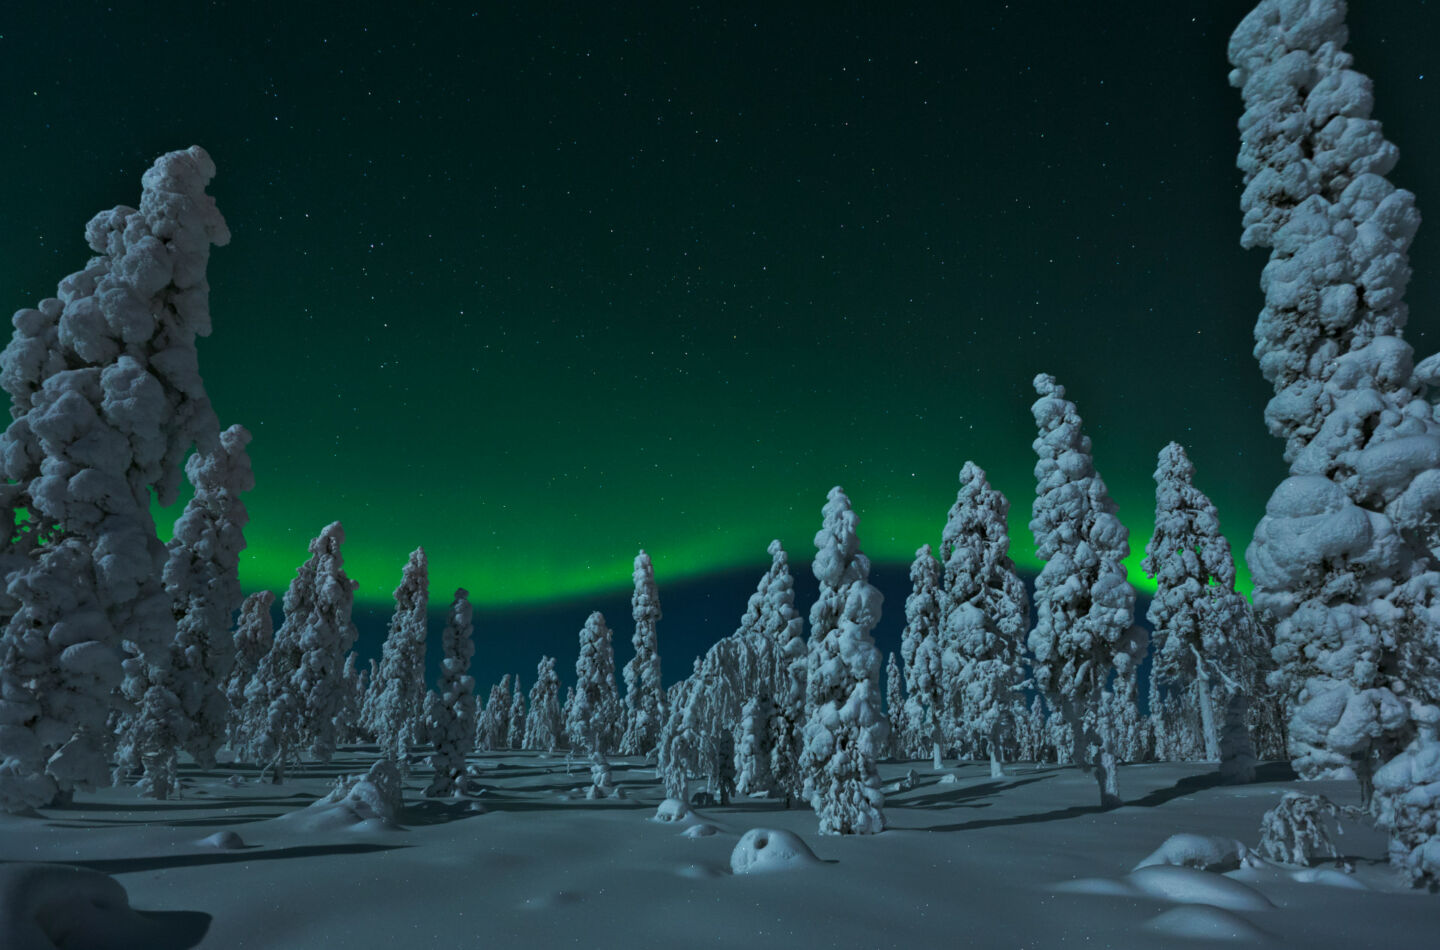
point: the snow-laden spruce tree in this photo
(493, 727)
(677, 753)
(752, 747)
(451, 719)
(895, 707)
(714, 705)
(927, 687)
(254, 636)
(1202, 629)
(644, 694)
(985, 611)
(543, 725)
(400, 690)
(1084, 604)
(846, 731)
(352, 700)
(202, 577)
(1344, 560)
(515, 730)
(106, 399)
(595, 712)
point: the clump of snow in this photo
(1202, 922)
(364, 802)
(702, 830)
(1203, 852)
(227, 840)
(1328, 876)
(1189, 886)
(948, 779)
(770, 849)
(672, 809)
(50, 906)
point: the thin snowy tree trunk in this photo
(1207, 717)
(1105, 775)
(997, 769)
(1237, 748)
(935, 745)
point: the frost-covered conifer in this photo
(1202, 630)
(493, 728)
(543, 724)
(352, 699)
(895, 707)
(1083, 603)
(203, 580)
(644, 693)
(985, 610)
(106, 399)
(595, 710)
(927, 710)
(846, 730)
(678, 752)
(254, 636)
(714, 705)
(515, 730)
(1344, 560)
(752, 747)
(400, 688)
(450, 722)
(1407, 792)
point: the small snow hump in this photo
(1202, 852)
(770, 849)
(672, 809)
(225, 840)
(1189, 886)
(1203, 922)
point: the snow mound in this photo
(1101, 886)
(59, 907)
(770, 849)
(1328, 876)
(1189, 886)
(671, 809)
(1202, 852)
(227, 840)
(702, 830)
(948, 779)
(368, 802)
(1203, 922)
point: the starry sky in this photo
(537, 285)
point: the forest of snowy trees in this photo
(119, 653)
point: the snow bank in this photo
(770, 849)
(369, 802)
(1189, 886)
(1202, 852)
(54, 906)
(225, 840)
(1202, 922)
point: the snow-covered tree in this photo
(595, 711)
(451, 720)
(677, 753)
(1084, 632)
(895, 706)
(543, 723)
(752, 747)
(515, 728)
(985, 610)
(297, 691)
(1202, 629)
(1344, 560)
(846, 731)
(400, 689)
(928, 690)
(493, 729)
(106, 400)
(203, 580)
(714, 705)
(254, 636)
(352, 700)
(1407, 792)
(644, 694)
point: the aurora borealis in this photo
(538, 285)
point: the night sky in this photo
(535, 285)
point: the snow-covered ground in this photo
(1024, 861)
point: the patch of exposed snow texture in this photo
(1202, 852)
(399, 691)
(846, 730)
(1084, 604)
(451, 722)
(543, 725)
(985, 613)
(761, 850)
(106, 400)
(644, 692)
(1202, 629)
